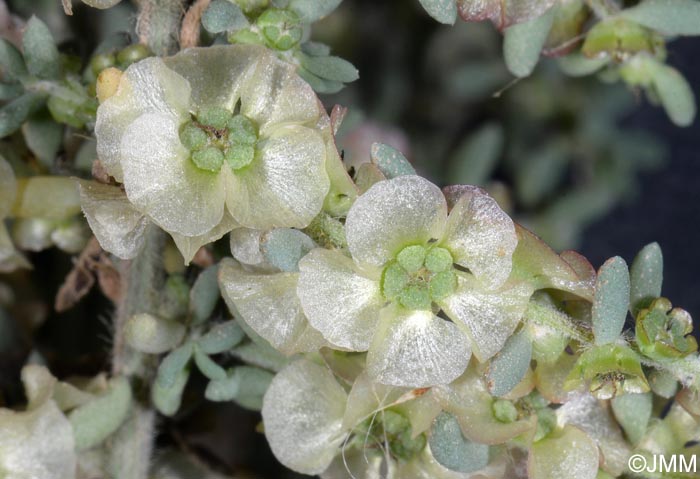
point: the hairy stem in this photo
(158, 24)
(142, 281)
(560, 322)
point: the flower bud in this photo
(102, 61)
(132, 54)
(621, 39)
(71, 236)
(149, 334)
(281, 28)
(608, 370)
(33, 234)
(107, 83)
(663, 332)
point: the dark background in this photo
(667, 208)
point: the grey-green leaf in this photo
(444, 11)
(312, 10)
(221, 337)
(207, 366)
(284, 247)
(320, 85)
(223, 16)
(540, 172)
(316, 49)
(94, 421)
(40, 52)
(11, 61)
(509, 366)
(523, 42)
(173, 364)
(261, 354)
(330, 68)
(205, 294)
(10, 91)
(167, 399)
(578, 65)
(43, 137)
(663, 383)
(675, 93)
(451, 449)
(612, 295)
(16, 112)
(246, 385)
(477, 156)
(390, 161)
(673, 17)
(646, 277)
(633, 412)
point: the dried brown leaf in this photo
(67, 6)
(203, 258)
(503, 13)
(92, 262)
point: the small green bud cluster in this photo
(394, 428)
(419, 276)
(120, 59)
(276, 28)
(664, 332)
(281, 28)
(217, 135)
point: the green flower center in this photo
(216, 136)
(419, 276)
(610, 369)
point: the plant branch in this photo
(158, 24)
(142, 281)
